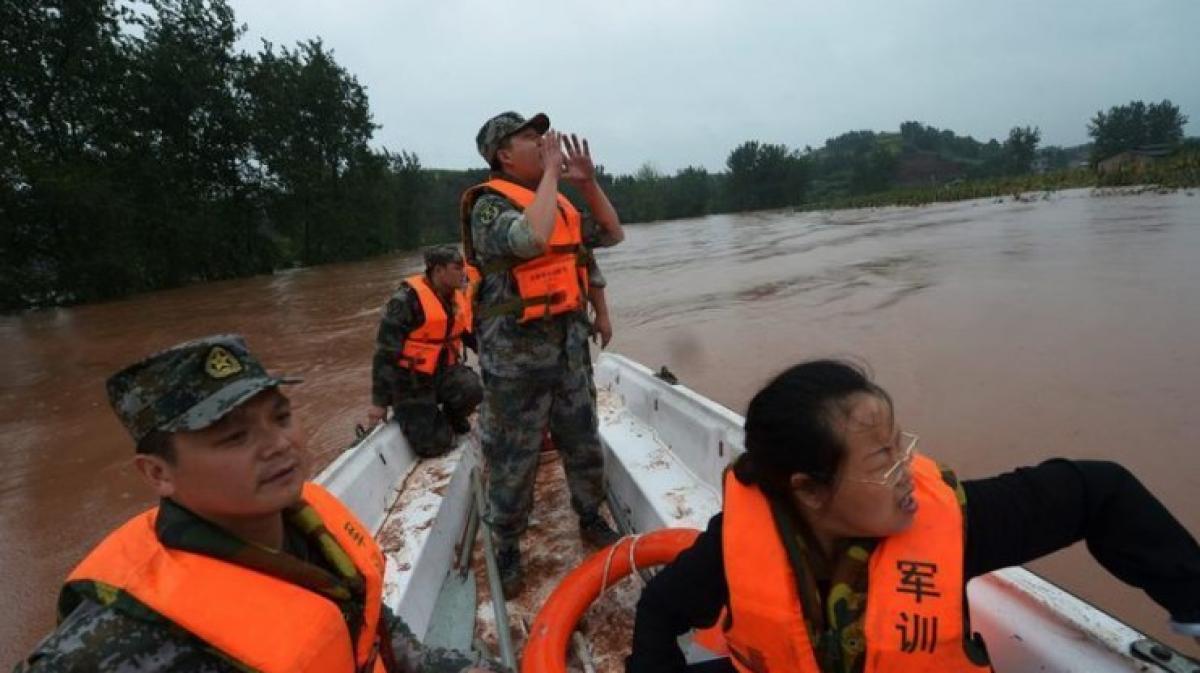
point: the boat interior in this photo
(665, 451)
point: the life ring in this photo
(546, 649)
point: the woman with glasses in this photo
(842, 549)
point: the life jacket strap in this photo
(504, 264)
(517, 306)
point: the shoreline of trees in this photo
(139, 150)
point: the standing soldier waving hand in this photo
(531, 313)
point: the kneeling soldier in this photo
(419, 368)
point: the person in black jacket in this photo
(840, 487)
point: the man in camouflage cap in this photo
(532, 246)
(419, 367)
(243, 565)
(497, 131)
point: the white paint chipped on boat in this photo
(650, 485)
(366, 475)
(665, 450)
(418, 499)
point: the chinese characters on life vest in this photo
(917, 632)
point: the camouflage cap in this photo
(439, 255)
(495, 130)
(189, 386)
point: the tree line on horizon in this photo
(139, 150)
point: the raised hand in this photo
(579, 167)
(552, 155)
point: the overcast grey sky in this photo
(677, 83)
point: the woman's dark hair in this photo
(792, 425)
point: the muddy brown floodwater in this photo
(1008, 332)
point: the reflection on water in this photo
(1007, 332)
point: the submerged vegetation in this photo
(140, 150)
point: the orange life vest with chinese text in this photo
(260, 621)
(423, 346)
(915, 600)
(553, 283)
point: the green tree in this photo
(195, 218)
(763, 175)
(63, 133)
(1020, 149)
(1055, 158)
(688, 193)
(410, 183)
(872, 170)
(312, 123)
(1125, 127)
(1164, 123)
(639, 197)
(920, 137)
(139, 150)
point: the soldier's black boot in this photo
(512, 577)
(595, 530)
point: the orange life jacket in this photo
(915, 600)
(423, 346)
(263, 622)
(553, 283)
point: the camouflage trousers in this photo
(515, 413)
(428, 407)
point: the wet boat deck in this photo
(550, 549)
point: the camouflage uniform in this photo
(102, 628)
(429, 408)
(536, 374)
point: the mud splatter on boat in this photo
(416, 506)
(550, 549)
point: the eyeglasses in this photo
(889, 478)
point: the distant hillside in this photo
(861, 162)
